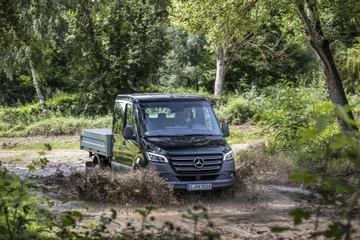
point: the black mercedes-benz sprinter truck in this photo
(177, 134)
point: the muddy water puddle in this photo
(245, 215)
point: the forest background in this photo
(285, 72)
(277, 64)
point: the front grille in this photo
(185, 163)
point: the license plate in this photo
(194, 187)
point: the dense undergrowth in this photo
(281, 114)
(67, 115)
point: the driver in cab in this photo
(185, 119)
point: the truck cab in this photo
(178, 135)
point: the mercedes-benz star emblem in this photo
(198, 162)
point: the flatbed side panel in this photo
(99, 141)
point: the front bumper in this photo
(225, 178)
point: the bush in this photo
(60, 105)
(64, 104)
(286, 111)
(25, 114)
(236, 110)
(57, 126)
(340, 192)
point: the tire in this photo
(96, 161)
(100, 162)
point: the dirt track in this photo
(245, 216)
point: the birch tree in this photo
(226, 24)
(26, 29)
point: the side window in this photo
(118, 121)
(130, 120)
(207, 118)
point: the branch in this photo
(312, 9)
(235, 49)
(272, 49)
(306, 20)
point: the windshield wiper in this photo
(197, 134)
(161, 136)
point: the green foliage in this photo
(236, 111)
(24, 115)
(63, 104)
(21, 217)
(224, 23)
(67, 114)
(186, 61)
(244, 134)
(340, 191)
(349, 61)
(54, 126)
(287, 110)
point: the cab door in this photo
(118, 129)
(130, 147)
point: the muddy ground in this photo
(245, 215)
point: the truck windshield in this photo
(177, 118)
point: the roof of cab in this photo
(149, 97)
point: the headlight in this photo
(156, 157)
(228, 156)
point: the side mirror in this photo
(129, 132)
(225, 129)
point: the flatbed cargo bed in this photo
(98, 141)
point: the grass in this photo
(244, 133)
(40, 145)
(56, 126)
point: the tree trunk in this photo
(333, 81)
(322, 48)
(220, 71)
(38, 90)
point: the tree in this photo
(185, 62)
(315, 15)
(114, 46)
(26, 30)
(227, 26)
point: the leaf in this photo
(42, 153)
(141, 212)
(339, 185)
(304, 177)
(326, 107)
(77, 214)
(66, 220)
(299, 214)
(48, 146)
(278, 229)
(105, 220)
(31, 168)
(321, 124)
(16, 184)
(308, 133)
